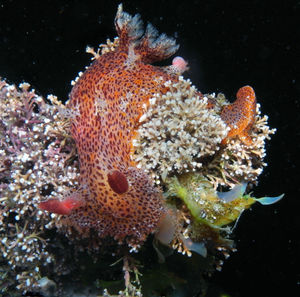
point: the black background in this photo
(228, 44)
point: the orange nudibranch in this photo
(108, 99)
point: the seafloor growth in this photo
(137, 151)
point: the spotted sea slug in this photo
(116, 198)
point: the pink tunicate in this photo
(179, 64)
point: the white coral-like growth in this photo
(177, 131)
(180, 133)
(34, 148)
(245, 162)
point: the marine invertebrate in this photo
(240, 115)
(238, 161)
(108, 100)
(34, 151)
(178, 131)
(191, 138)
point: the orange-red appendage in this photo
(63, 207)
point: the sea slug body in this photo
(107, 101)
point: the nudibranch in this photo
(240, 115)
(117, 199)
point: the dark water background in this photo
(228, 44)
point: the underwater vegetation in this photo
(99, 195)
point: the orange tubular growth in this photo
(240, 115)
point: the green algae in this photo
(201, 199)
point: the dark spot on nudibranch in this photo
(118, 182)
